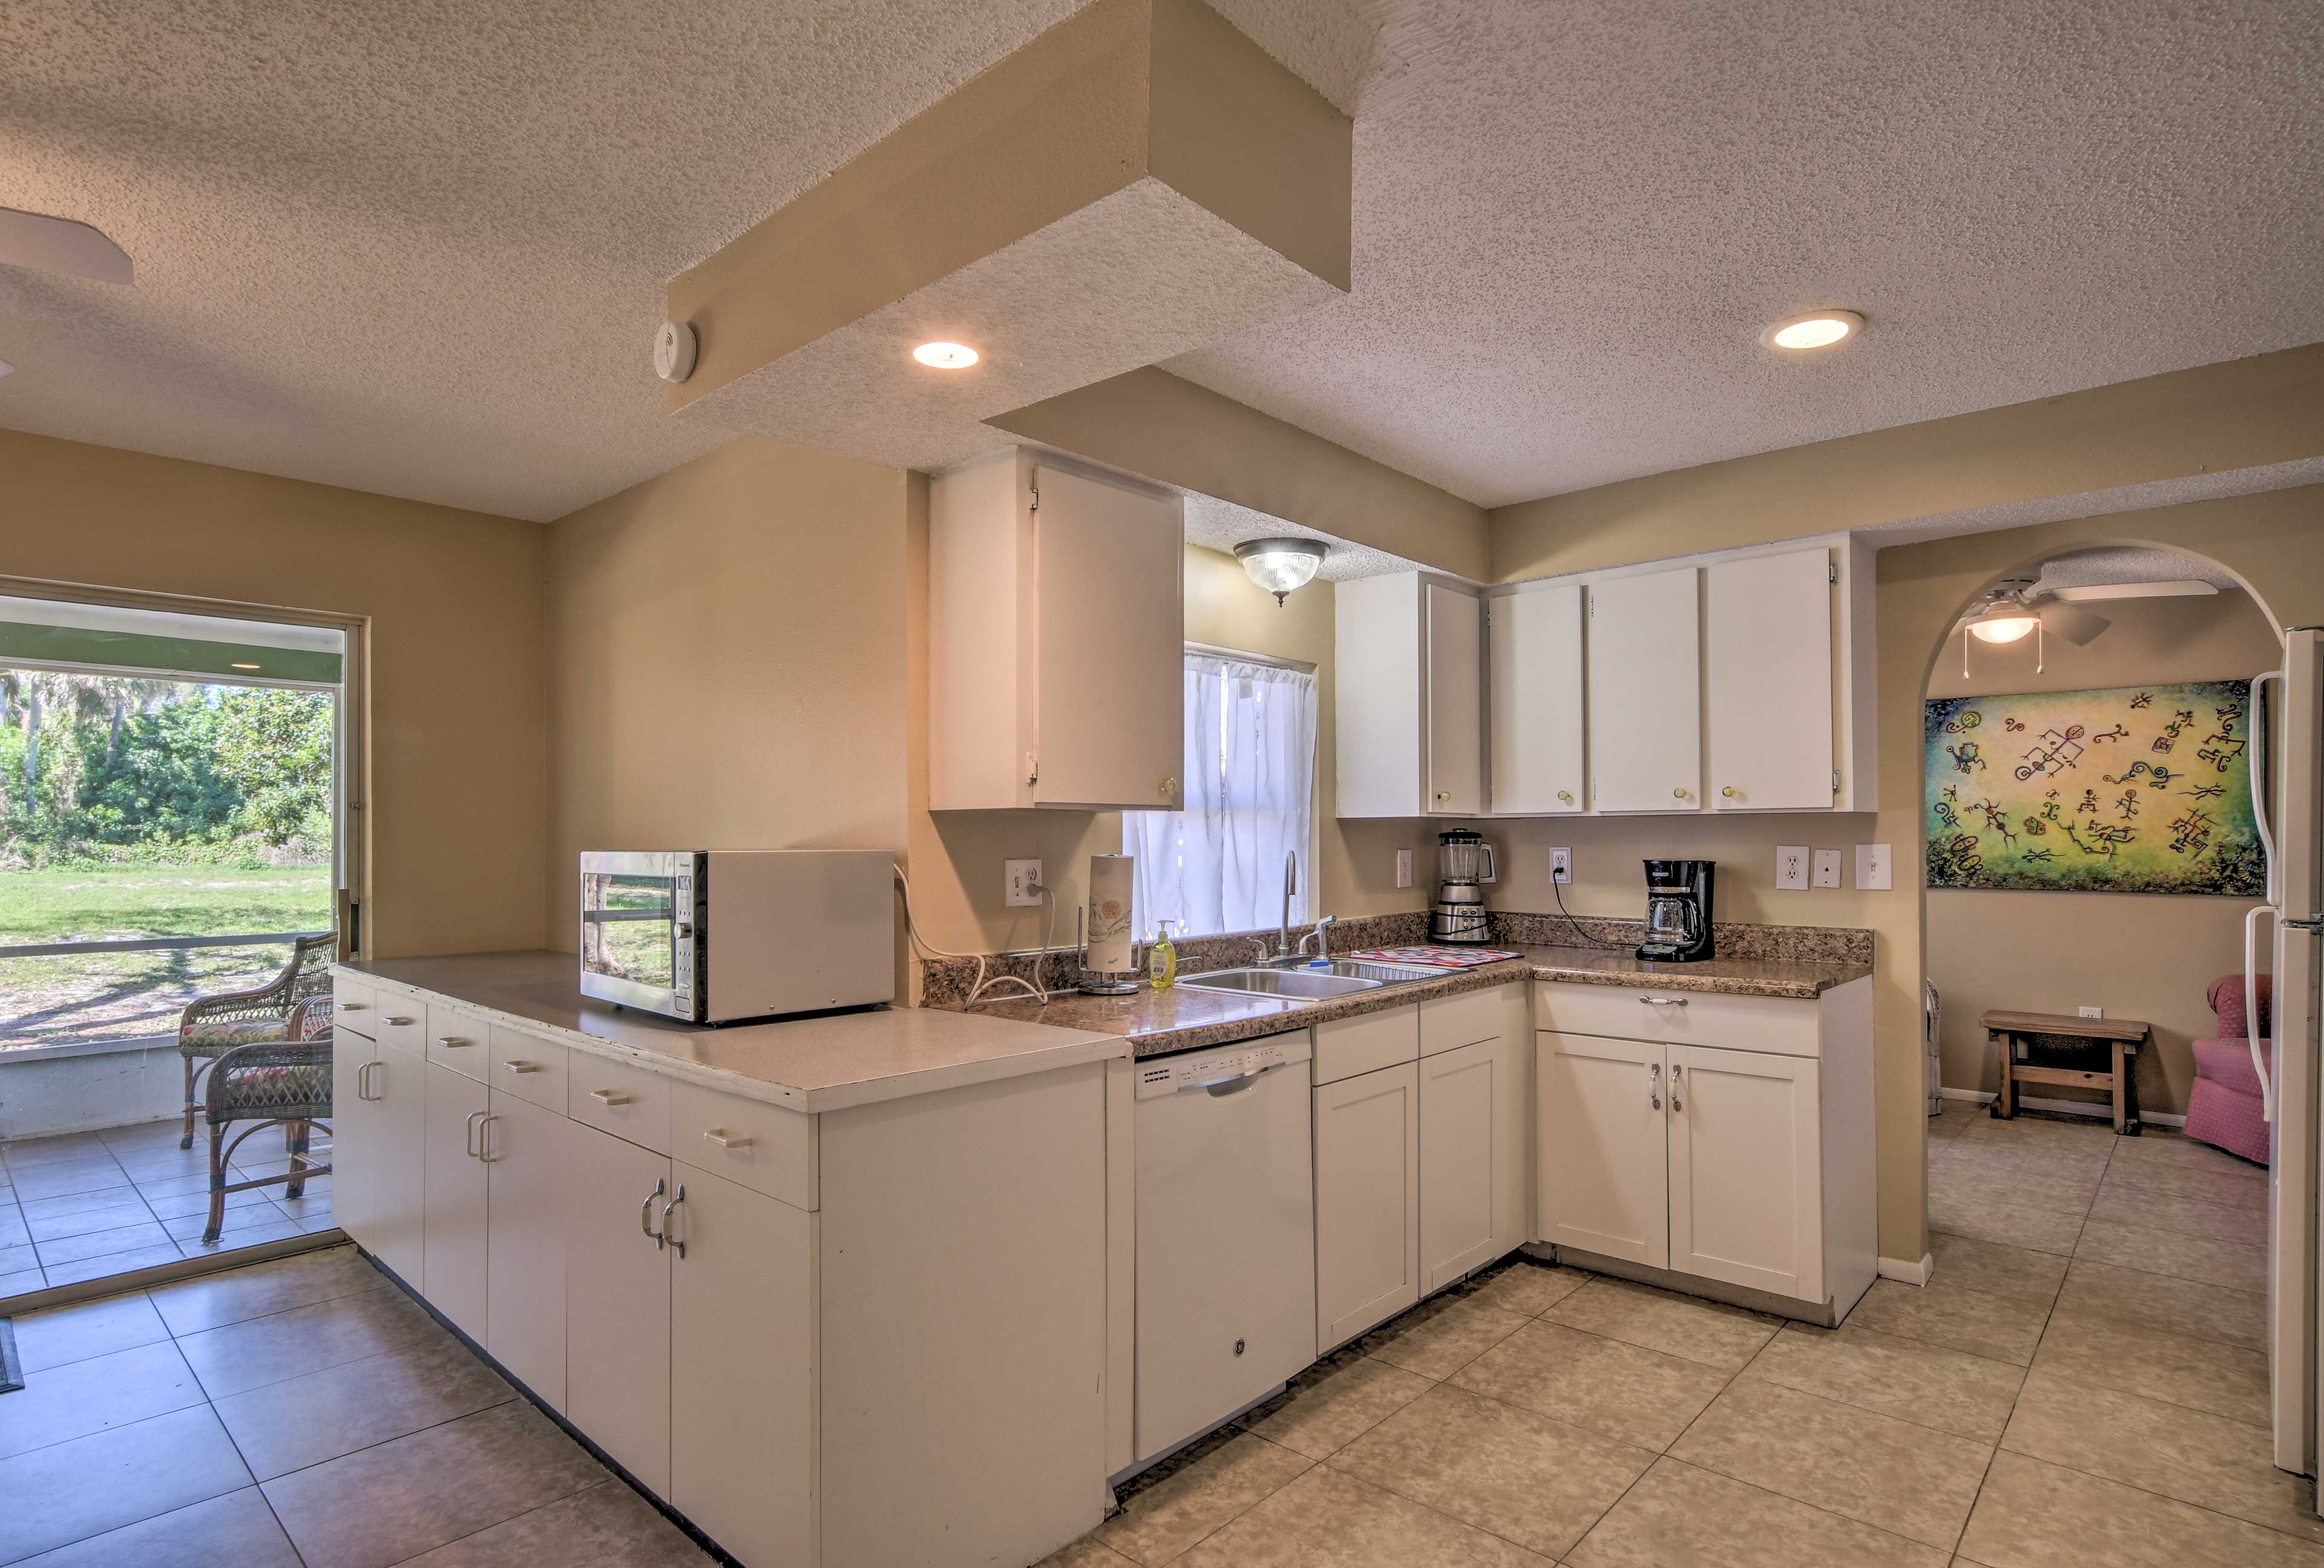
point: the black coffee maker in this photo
(1678, 910)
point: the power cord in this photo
(977, 991)
(1558, 888)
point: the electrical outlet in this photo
(1560, 865)
(1023, 883)
(1403, 868)
(1792, 867)
(1827, 868)
(2093, 1012)
(1872, 872)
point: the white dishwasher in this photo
(1226, 1234)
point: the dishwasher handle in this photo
(1234, 1084)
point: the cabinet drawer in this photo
(355, 1007)
(1787, 1025)
(529, 1067)
(615, 1097)
(403, 1020)
(457, 1041)
(763, 1146)
(1348, 1046)
(1449, 1022)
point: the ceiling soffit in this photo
(1137, 180)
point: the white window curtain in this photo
(1217, 866)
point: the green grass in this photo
(123, 995)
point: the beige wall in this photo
(2138, 955)
(726, 655)
(452, 604)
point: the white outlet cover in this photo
(2093, 1012)
(1561, 865)
(1792, 867)
(1403, 868)
(1021, 883)
(1827, 868)
(1873, 872)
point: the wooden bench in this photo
(2016, 1032)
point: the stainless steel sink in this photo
(1386, 973)
(1306, 985)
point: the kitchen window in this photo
(1217, 866)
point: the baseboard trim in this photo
(2095, 1109)
(1908, 1273)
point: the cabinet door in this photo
(741, 1392)
(526, 1165)
(1768, 681)
(1455, 784)
(1532, 641)
(399, 1185)
(1367, 1201)
(1645, 693)
(617, 1302)
(1603, 1146)
(1472, 1160)
(1745, 1170)
(355, 1136)
(1112, 645)
(452, 1237)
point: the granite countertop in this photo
(810, 1065)
(1157, 1022)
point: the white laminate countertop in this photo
(814, 1064)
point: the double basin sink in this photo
(1308, 982)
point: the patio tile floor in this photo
(80, 1205)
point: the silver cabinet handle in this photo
(351, 1007)
(398, 1022)
(451, 1042)
(646, 1208)
(520, 1067)
(609, 1097)
(1661, 1001)
(483, 1139)
(362, 1080)
(717, 1134)
(1677, 1103)
(676, 1241)
(1654, 1089)
(472, 1132)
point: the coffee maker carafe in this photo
(1678, 910)
(1464, 862)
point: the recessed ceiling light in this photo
(945, 355)
(245, 667)
(1820, 330)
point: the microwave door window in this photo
(626, 923)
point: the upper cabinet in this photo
(1057, 641)
(1768, 696)
(1532, 641)
(1646, 692)
(1410, 676)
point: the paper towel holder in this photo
(1100, 982)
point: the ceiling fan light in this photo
(1280, 566)
(2005, 625)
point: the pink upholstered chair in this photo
(2224, 1107)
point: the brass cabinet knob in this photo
(1728, 791)
(1443, 795)
(1169, 788)
(1678, 794)
(1565, 794)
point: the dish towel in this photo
(1439, 957)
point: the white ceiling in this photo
(420, 249)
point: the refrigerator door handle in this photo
(2255, 760)
(2250, 1007)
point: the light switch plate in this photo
(1872, 868)
(1827, 868)
(1403, 868)
(1023, 883)
(1792, 867)
(1560, 865)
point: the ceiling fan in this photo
(2017, 607)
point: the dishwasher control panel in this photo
(1202, 1069)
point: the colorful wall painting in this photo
(2144, 789)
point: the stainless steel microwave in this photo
(711, 935)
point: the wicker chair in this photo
(284, 1083)
(211, 1026)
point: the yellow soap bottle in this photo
(1162, 960)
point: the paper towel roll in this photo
(1109, 912)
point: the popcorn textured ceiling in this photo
(420, 248)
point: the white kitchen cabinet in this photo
(397, 1195)
(355, 1133)
(1051, 593)
(452, 1244)
(1604, 1161)
(1472, 1166)
(1768, 694)
(1532, 641)
(525, 1149)
(1410, 697)
(742, 1368)
(1746, 1169)
(1367, 1201)
(617, 1301)
(1646, 692)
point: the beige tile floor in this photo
(2081, 1386)
(2095, 1399)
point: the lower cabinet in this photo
(1746, 1169)
(1605, 1152)
(396, 1201)
(1367, 1201)
(452, 1272)
(527, 1161)
(1472, 1158)
(617, 1280)
(354, 1133)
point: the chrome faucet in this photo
(1321, 936)
(1290, 886)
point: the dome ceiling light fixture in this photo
(945, 355)
(1816, 329)
(1281, 566)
